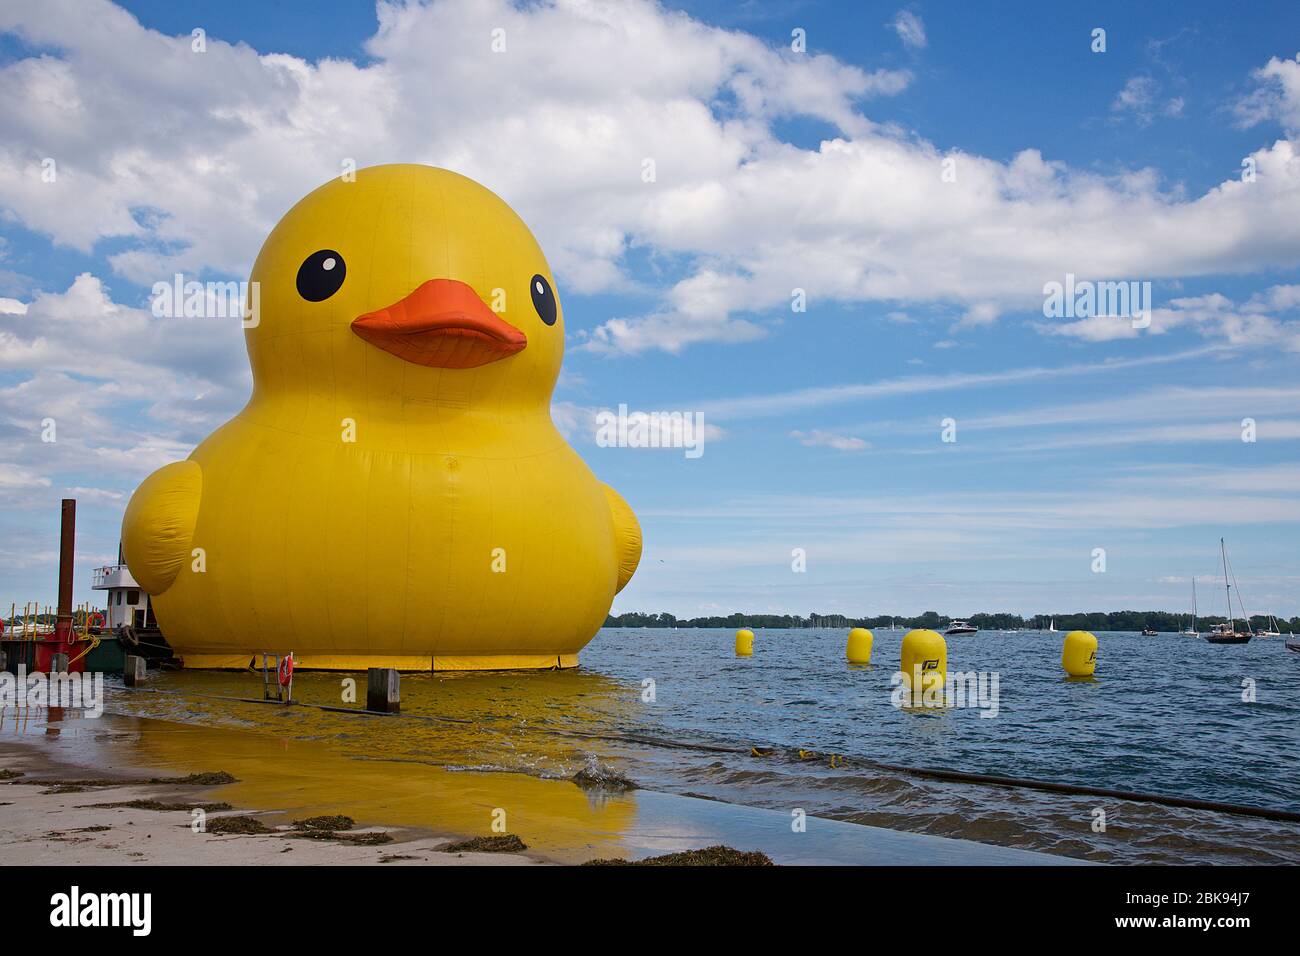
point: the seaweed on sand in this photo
(157, 805)
(501, 843)
(328, 822)
(361, 839)
(237, 825)
(211, 778)
(709, 856)
(63, 834)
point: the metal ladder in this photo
(271, 689)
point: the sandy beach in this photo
(46, 822)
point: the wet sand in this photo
(422, 806)
(41, 826)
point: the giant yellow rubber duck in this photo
(395, 493)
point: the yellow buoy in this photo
(859, 649)
(924, 662)
(744, 643)
(1079, 654)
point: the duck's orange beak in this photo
(442, 324)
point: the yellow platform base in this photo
(411, 663)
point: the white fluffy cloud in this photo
(108, 391)
(1276, 98)
(1142, 98)
(910, 29)
(191, 157)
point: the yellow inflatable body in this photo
(858, 649)
(924, 653)
(395, 493)
(1079, 654)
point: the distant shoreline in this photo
(1163, 621)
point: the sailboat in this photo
(1051, 626)
(1191, 631)
(1271, 630)
(1228, 633)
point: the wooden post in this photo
(383, 690)
(63, 619)
(133, 670)
(58, 663)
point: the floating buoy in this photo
(859, 649)
(1079, 654)
(925, 655)
(744, 643)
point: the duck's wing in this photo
(159, 524)
(627, 536)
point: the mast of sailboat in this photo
(1227, 586)
(1193, 602)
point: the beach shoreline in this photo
(48, 823)
(421, 807)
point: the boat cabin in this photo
(128, 605)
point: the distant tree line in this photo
(1163, 621)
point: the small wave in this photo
(599, 776)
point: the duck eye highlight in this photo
(543, 299)
(321, 275)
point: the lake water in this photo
(1164, 715)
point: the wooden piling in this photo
(383, 690)
(67, 548)
(58, 663)
(133, 670)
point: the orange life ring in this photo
(286, 669)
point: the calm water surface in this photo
(1165, 715)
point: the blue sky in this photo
(819, 170)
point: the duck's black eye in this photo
(543, 299)
(320, 275)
